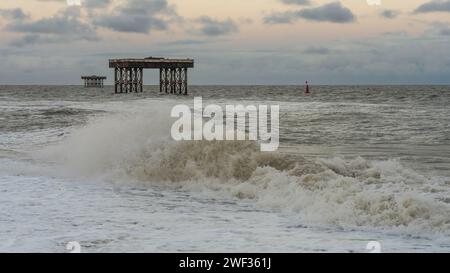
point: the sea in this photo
(356, 164)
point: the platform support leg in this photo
(185, 81)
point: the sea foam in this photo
(333, 191)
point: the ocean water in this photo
(356, 164)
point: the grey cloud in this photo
(332, 12)
(136, 24)
(138, 16)
(377, 60)
(389, 14)
(434, 6)
(86, 3)
(445, 32)
(396, 34)
(52, 25)
(212, 27)
(145, 7)
(317, 50)
(97, 3)
(184, 43)
(33, 39)
(28, 40)
(437, 29)
(65, 26)
(281, 18)
(14, 14)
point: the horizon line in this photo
(319, 84)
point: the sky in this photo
(232, 41)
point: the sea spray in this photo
(336, 191)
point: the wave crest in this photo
(335, 191)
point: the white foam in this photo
(337, 192)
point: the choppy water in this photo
(357, 164)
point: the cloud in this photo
(97, 3)
(434, 6)
(317, 50)
(135, 24)
(187, 42)
(14, 14)
(445, 32)
(29, 39)
(52, 25)
(332, 12)
(212, 27)
(437, 29)
(138, 16)
(65, 26)
(85, 3)
(389, 14)
(287, 17)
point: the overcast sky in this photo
(232, 41)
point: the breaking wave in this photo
(337, 192)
